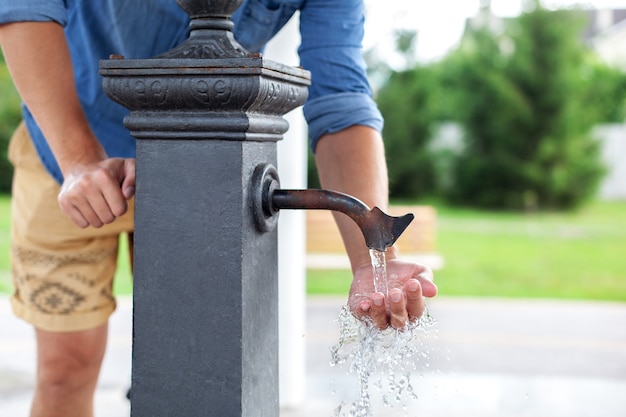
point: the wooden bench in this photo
(325, 249)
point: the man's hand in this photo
(95, 189)
(96, 194)
(408, 284)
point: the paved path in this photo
(489, 358)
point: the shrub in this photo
(527, 127)
(407, 102)
(10, 116)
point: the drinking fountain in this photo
(206, 116)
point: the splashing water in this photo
(384, 358)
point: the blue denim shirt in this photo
(331, 32)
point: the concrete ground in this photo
(489, 358)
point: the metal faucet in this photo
(379, 229)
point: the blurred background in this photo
(505, 130)
(508, 119)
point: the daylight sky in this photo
(440, 22)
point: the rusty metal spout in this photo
(380, 230)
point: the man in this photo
(75, 172)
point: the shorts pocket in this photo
(16, 144)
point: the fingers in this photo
(375, 309)
(128, 182)
(409, 283)
(401, 306)
(87, 211)
(97, 196)
(378, 311)
(398, 315)
(76, 217)
(428, 287)
(414, 300)
(384, 313)
(111, 203)
(363, 309)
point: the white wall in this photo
(611, 45)
(292, 164)
(613, 138)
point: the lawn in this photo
(578, 255)
(5, 234)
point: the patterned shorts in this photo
(62, 274)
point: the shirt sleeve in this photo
(334, 112)
(33, 11)
(340, 95)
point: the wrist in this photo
(75, 148)
(74, 164)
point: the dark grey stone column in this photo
(205, 330)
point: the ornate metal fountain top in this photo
(207, 87)
(211, 35)
(214, 8)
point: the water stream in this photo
(379, 265)
(384, 361)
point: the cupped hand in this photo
(96, 194)
(408, 284)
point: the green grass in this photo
(5, 236)
(328, 281)
(575, 255)
(123, 282)
(578, 255)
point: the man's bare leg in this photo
(68, 365)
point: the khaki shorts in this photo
(62, 274)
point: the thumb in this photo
(429, 288)
(128, 182)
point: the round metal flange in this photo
(264, 182)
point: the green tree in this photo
(521, 103)
(605, 93)
(9, 118)
(408, 104)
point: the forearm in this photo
(352, 161)
(38, 58)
